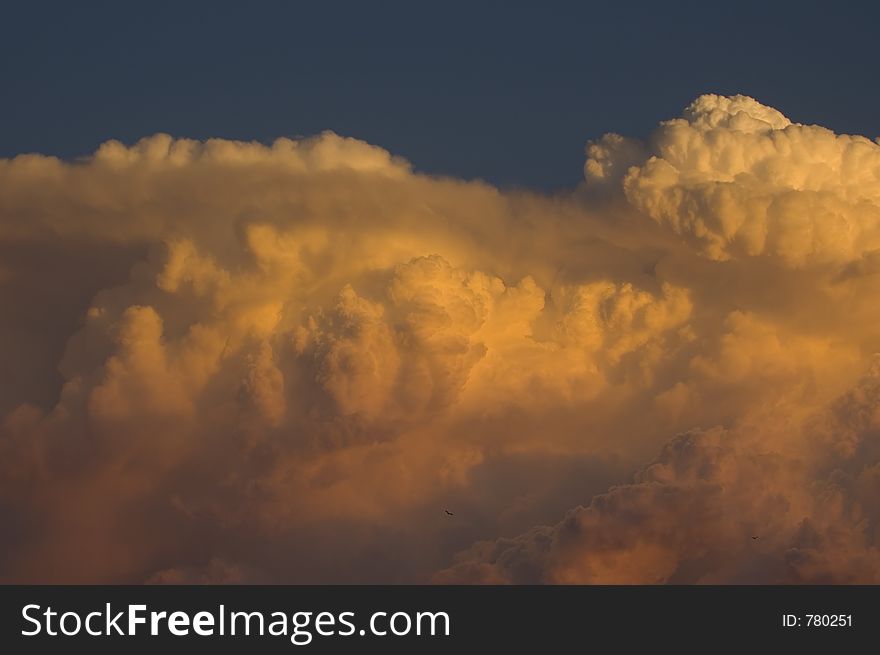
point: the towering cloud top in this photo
(738, 113)
(738, 179)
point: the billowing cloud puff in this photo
(239, 362)
(738, 179)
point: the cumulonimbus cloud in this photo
(231, 362)
(737, 178)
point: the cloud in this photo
(241, 362)
(738, 179)
(736, 505)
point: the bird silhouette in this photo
(754, 537)
(448, 512)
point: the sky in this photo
(494, 296)
(503, 91)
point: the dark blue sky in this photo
(505, 91)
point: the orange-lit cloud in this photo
(235, 362)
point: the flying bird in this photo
(754, 537)
(448, 512)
